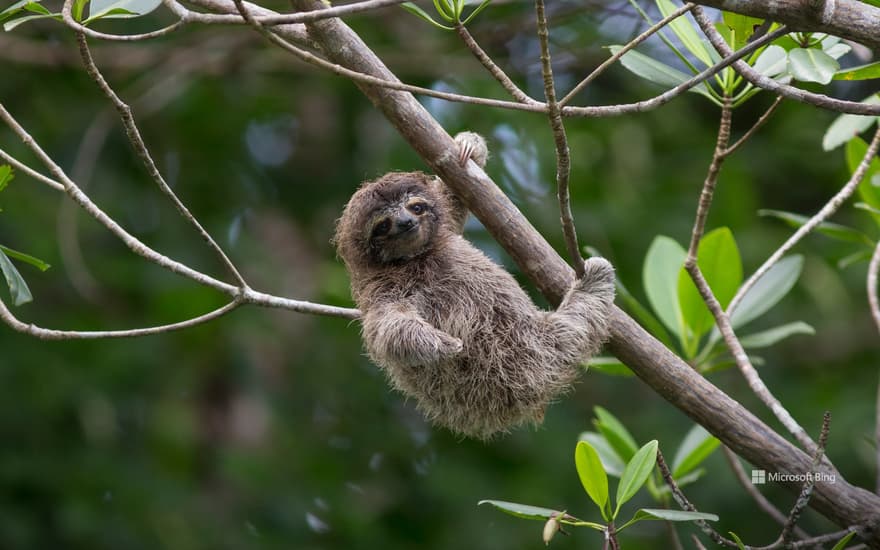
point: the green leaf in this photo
(846, 127)
(78, 7)
(521, 510)
(660, 277)
(116, 9)
(610, 366)
(772, 62)
(835, 231)
(742, 26)
(415, 10)
(444, 10)
(18, 289)
(616, 433)
(869, 188)
(771, 336)
(737, 540)
(812, 65)
(636, 473)
(862, 72)
(667, 515)
(592, 475)
(9, 25)
(685, 32)
(769, 289)
(21, 256)
(841, 544)
(18, 7)
(612, 462)
(474, 13)
(698, 444)
(718, 258)
(655, 71)
(6, 175)
(854, 258)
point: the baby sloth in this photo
(451, 328)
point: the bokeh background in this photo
(270, 429)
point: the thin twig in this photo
(766, 83)
(824, 213)
(751, 131)
(247, 295)
(765, 505)
(140, 148)
(563, 155)
(287, 18)
(22, 167)
(807, 491)
(68, 19)
(491, 66)
(630, 45)
(51, 334)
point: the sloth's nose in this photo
(405, 223)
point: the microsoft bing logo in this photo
(759, 477)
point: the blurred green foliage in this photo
(270, 429)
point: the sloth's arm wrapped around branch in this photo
(396, 333)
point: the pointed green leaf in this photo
(685, 32)
(736, 539)
(667, 515)
(636, 473)
(592, 474)
(698, 444)
(483, 5)
(771, 336)
(610, 459)
(660, 277)
(523, 511)
(18, 7)
(610, 366)
(21, 256)
(812, 65)
(419, 12)
(769, 289)
(835, 231)
(616, 433)
(6, 175)
(862, 72)
(719, 261)
(9, 25)
(846, 127)
(18, 289)
(120, 8)
(772, 62)
(841, 544)
(655, 71)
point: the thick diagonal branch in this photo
(666, 373)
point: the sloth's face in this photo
(403, 229)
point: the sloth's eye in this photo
(382, 228)
(417, 208)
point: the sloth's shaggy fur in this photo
(449, 326)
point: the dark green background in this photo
(270, 429)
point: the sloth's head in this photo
(389, 221)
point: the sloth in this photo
(450, 327)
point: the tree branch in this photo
(666, 373)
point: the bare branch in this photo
(22, 167)
(50, 334)
(490, 66)
(77, 26)
(281, 19)
(771, 85)
(824, 213)
(140, 148)
(563, 155)
(809, 484)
